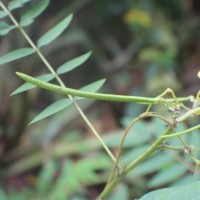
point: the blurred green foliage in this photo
(141, 47)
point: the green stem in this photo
(142, 116)
(188, 114)
(182, 132)
(98, 96)
(171, 147)
(182, 118)
(106, 192)
(50, 68)
(177, 148)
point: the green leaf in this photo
(190, 191)
(72, 64)
(52, 109)
(3, 14)
(16, 4)
(187, 179)
(159, 194)
(132, 154)
(195, 141)
(16, 54)
(78, 198)
(46, 176)
(156, 127)
(92, 87)
(167, 175)
(5, 28)
(66, 184)
(54, 32)
(120, 193)
(134, 138)
(27, 86)
(90, 168)
(2, 195)
(154, 163)
(30, 15)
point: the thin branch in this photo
(142, 116)
(182, 132)
(131, 166)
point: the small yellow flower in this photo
(138, 17)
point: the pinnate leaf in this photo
(5, 28)
(52, 109)
(27, 86)
(54, 32)
(186, 192)
(30, 15)
(16, 4)
(72, 64)
(92, 87)
(16, 54)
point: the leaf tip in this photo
(32, 122)
(103, 80)
(71, 16)
(12, 94)
(89, 52)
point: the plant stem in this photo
(142, 116)
(188, 114)
(182, 132)
(98, 96)
(182, 148)
(177, 148)
(50, 68)
(106, 192)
